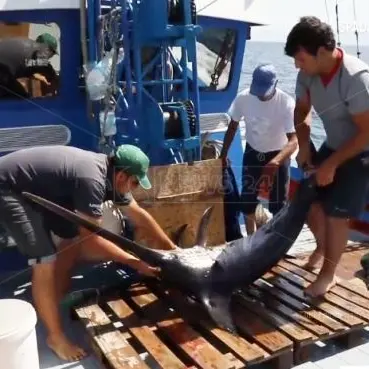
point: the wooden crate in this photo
(275, 322)
(179, 195)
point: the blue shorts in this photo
(347, 196)
(253, 164)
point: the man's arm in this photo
(287, 150)
(358, 105)
(235, 112)
(142, 219)
(88, 198)
(99, 248)
(302, 112)
(228, 138)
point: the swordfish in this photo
(211, 275)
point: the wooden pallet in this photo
(276, 324)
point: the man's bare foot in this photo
(320, 286)
(64, 349)
(313, 260)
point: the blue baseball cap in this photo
(264, 80)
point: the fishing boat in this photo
(174, 68)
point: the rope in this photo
(337, 25)
(358, 53)
(207, 5)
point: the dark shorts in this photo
(346, 197)
(253, 164)
(31, 227)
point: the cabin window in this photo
(215, 49)
(29, 60)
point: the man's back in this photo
(59, 173)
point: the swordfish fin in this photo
(218, 307)
(142, 252)
(177, 235)
(202, 230)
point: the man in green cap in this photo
(81, 181)
(50, 42)
(26, 58)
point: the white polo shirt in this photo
(267, 122)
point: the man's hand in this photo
(146, 269)
(41, 78)
(146, 223)
(325, 173)
(303, 158)
(225, 161)
(269, 171)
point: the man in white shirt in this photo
(271, 140)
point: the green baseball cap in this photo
(134, 162)
(49, 41)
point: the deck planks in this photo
(276, 323)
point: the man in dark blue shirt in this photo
(81, 181)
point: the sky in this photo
(281, 15)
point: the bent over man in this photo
(270, 141)
(80, 181)
(336, 84)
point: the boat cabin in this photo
(60, 113)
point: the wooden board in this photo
(179, 195)
(14, 30)
(276, 324)
(32, 86)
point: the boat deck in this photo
(279, 328)
(277, 324)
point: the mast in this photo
(356, 32)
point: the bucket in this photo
(18, 341)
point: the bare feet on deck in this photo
(313, 260)
(64, 349)
(320, 286)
